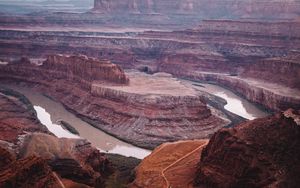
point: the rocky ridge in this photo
(260, 153)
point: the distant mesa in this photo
(255, 8)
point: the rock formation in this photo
(33, 157)
(232, 8)
(29, 172)
(83, 69)
(131, 6)
(17, 116)
(259, 153)
(140, 111)
(241, 55)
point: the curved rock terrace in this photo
(134, 106)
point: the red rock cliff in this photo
(259, 153)
(84, 68)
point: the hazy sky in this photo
(77, 2)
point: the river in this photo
(235, 103)
(50, 113)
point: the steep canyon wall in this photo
(266, 52)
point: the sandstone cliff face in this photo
(257, 60)
(83, 68)
(259, 153)
(248, 49)
(282, 70)
(272, 96)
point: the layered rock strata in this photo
(29, 172)
(144, 111)
(259, 153)
(272, 96)
(251, 51)
(257, 60)
(33, 157)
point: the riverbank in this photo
(56, 112)
(234, 103)
(214, 101)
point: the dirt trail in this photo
(179, 160)
(171, 165)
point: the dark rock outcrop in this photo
(260, 153)
(28, 172)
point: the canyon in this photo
(240, 55)
(210, 88)
(100, 93)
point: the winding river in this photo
(235, 103)
(50, 113)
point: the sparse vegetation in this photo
(124, 170)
